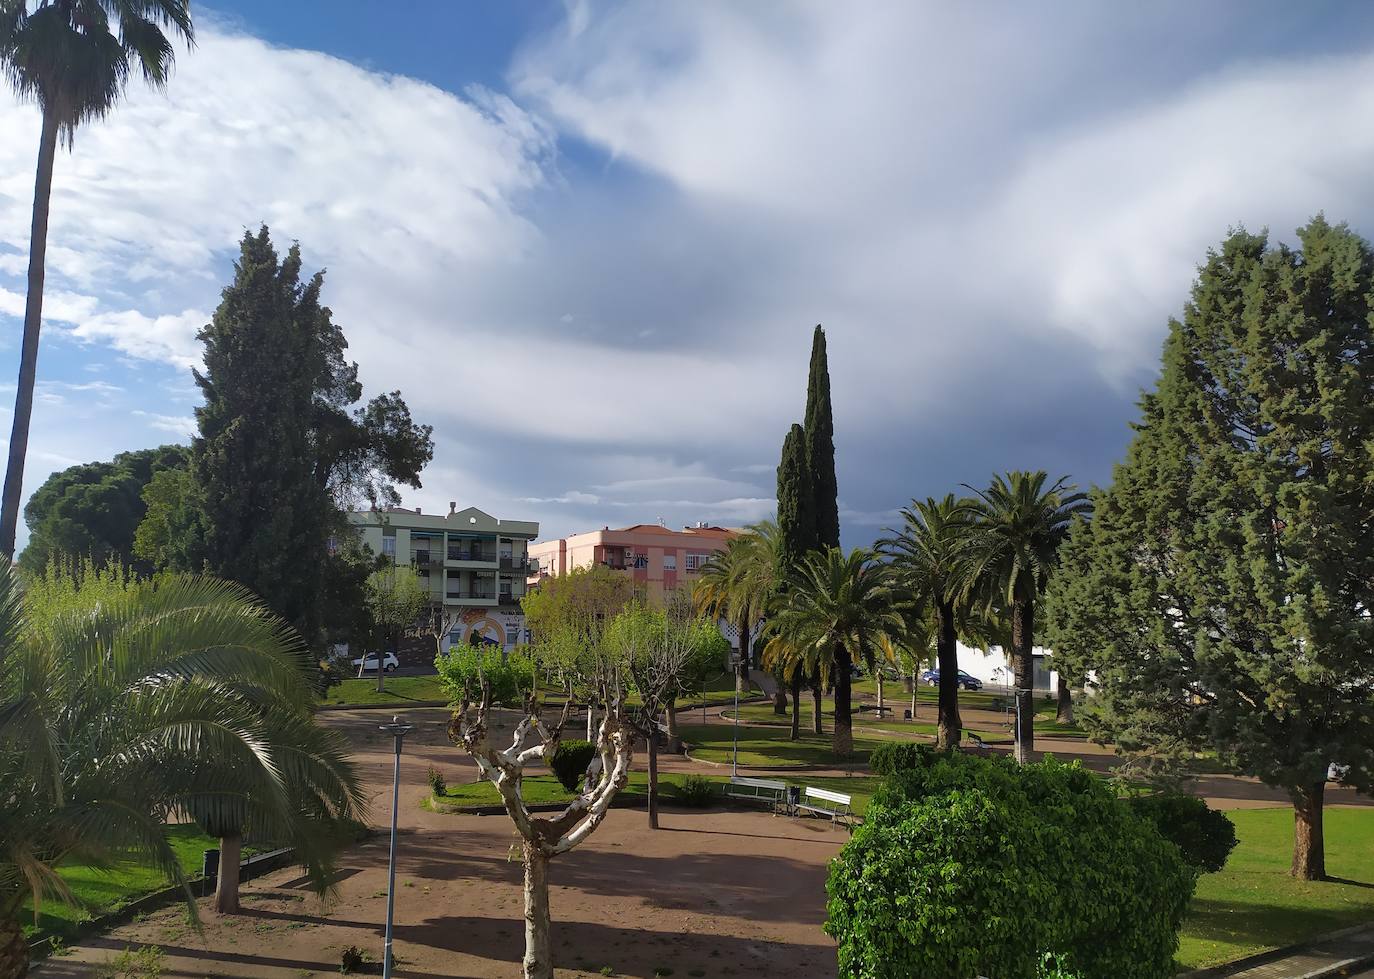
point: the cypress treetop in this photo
(796, 521)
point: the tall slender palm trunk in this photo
(817, 713)
(1023, 671)
(1309, 838)
(742, 671)
(842, 740)
(33, 322)
(949, 726)
(796, 705)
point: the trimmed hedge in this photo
(1205, 836)
(971, 866)
(899, 756)
(570, 760)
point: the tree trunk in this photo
(227, 882)
(796, 705)
(842, 740)
(538, 962)
(915, 686)
(33, 322)
(878, 675)
(653, 773)
(591, 720)
(949, 726)
(14, 949)
(742, 671)
(1023, 668)
(817, 722)
(670, 721)
(779, 694)
(1309, 844)
(1065, 714)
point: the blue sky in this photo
(588, 241)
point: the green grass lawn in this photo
(769, 747)
(865, 720)
(1254, 905)
(400, 690)
(103, 891)
(545, 789)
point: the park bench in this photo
(774, 794)
(823, 802)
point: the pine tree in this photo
(266, 517)
(1221, 594)
(284, 450)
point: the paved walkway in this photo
(1335, 955)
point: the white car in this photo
(369, 663)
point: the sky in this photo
(589, 241)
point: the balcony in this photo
(517, 564)
(472, 554)
(480, 595)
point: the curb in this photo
(1277, 954)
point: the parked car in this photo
(369, 663)
(966, 680)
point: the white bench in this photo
(758, 790)
(836, 805)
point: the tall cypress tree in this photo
(796, 527)
(1221, 595)
(820, 446)
(820, 460)
(265, 515)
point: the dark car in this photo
(966, 681)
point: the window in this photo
(389, 547)
(695, 561)
(670, 562)
(641, 560)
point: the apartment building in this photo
(475, 565)
(656, 558)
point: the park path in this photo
(1334, 955)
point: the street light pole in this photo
(734, 751)
(398, 731)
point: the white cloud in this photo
(182, 426)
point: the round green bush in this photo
(570, 761)
(1205, 835)
(974, 866)
(696, 791)
(900, 756)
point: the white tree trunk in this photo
(591, 720)
(538, 961)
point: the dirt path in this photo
(711, 894)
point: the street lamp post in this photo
(398, 731)
(734, 751)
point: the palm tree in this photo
(73, 58)
(1018, 527)
(929, 558)
(126, 705)
(840, 609)
(740, 583)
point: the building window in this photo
(641, 560)
(670, 562)
(389, 547)
(695, 561)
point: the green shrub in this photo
(974, 866)
(437, 783)
(570, 761)
(351, 960)
(899, 756)
(1205, 836)
(696, 791)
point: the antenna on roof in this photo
(661, 523)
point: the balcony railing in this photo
(470, 554)
(515, 563)
(470, 595)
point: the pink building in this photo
(655, 557)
